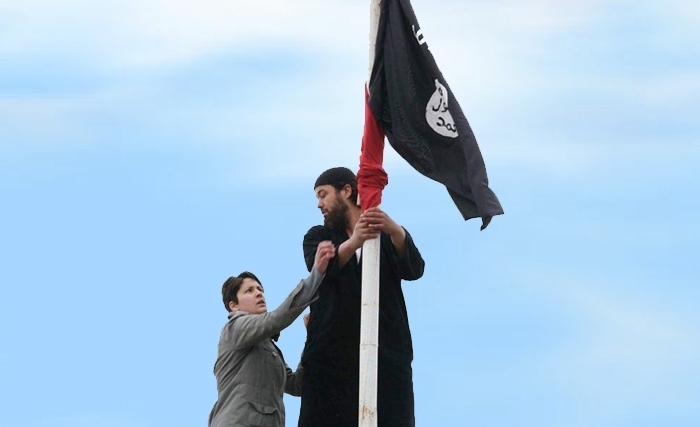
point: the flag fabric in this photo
(413, 105)
(371, 177)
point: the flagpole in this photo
(369, 323)
(374, 10)
(369, 333)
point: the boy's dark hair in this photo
(229, 291)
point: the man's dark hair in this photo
(339, 177)
(229, 291)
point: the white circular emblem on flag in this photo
(438, 115)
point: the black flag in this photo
(415, 107)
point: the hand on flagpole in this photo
(378, 220)
(361, 233)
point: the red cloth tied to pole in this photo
(371, 178)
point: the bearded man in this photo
(330, 387)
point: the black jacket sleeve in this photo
(313, 237)
(411, 265)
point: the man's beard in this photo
(337, 217)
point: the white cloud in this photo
(629, 349)
(484, 48)
(151, 33)
(677, 88)
(155, 33)
(38, 122)
(567, 157)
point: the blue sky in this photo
(151, 149)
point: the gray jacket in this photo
(251, 375)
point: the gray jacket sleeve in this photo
(293, 384)
(244, 329)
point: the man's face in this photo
(333, 207)
(251, 297)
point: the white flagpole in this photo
(369, 333)
(369, 326)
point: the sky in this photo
(150, 149)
